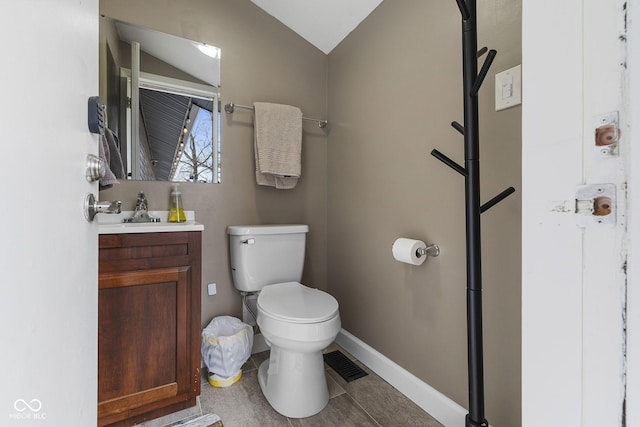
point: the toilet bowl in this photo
(296, 321)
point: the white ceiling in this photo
(323, 23)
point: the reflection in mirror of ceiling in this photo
(176, 51)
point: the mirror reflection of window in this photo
(176, 138)
(194, 159)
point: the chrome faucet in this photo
(141, 214)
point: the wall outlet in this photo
(212, 288)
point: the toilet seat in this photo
(294, 302)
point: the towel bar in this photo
(230, 107)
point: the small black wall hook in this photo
(483, 72)
(497, 199)
(464, 10)
(457, 126)
(447, 161)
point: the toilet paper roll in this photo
(406, 250)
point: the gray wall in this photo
(261, 61)
(395, 85)
(390, 90)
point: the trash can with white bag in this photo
(226, 346)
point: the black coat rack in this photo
(471, 172)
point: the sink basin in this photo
(113, 223)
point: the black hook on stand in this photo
(471, 171)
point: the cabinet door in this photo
(143, 344)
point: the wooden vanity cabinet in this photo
(148, 325)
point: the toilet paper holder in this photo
(431, 250)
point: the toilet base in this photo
(294, 383)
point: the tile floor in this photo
(367, 401)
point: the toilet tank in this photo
(263, 255)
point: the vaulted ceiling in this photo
(323, 23)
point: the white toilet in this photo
(297, 322)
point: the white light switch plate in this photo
(509, 88)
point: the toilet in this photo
(297, 322)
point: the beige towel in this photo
(277, 144)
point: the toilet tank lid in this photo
(242, 230)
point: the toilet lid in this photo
(296, 303)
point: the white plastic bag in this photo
(226, 346)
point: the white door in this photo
(574, 286)
(48, 314)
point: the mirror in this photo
(162, 98)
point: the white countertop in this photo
(113, 223)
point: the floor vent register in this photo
(340, 363)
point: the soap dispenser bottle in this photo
(176, 209)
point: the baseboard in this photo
(439, 406)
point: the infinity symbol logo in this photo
(22, 405)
